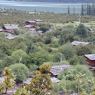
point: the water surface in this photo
(41, 6)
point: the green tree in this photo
(82, 50)
(82, 31)
(20, 71)
(39, 57)
(68, 51)
(20, 56)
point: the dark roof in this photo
(31, 21)
(90, 56)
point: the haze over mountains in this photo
(59, 1)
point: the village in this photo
(69, 49)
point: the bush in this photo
(21, 72)
(20, 56)
(71, 72)
(74, 60)
(82, 50)
(1, 66)
(82, 31)
(77, 75)
(68, 51)
(39, 57)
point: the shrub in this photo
(68, 51)
(77, 79)
(81, 50)
(20, 56)
(82, 31)
(20, 70)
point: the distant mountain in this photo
(59, 1)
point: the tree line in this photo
(85, 9)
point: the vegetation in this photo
(20, 71)
(29, 55)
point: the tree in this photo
(41, 82)
(8, 79)
(68, 51)
(45, 68)
(82, 31)
(44, 27)
(39, 57)
(1, 66)
(82, 9)
(20, 71)
(82, 50)
(68, 10)
(20, 56)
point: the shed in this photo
(10, 27)
(90, 58)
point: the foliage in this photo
(22, 91)
(44, 27)
(45, 68)
(20, 56)
(8, 79)
(77, 79)
(68, 51)
(41, 82)
(39, 57)
(82, 31)
(20, 71)
(82, 50)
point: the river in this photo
(41, 6)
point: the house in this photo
(76, 43)
(90, 58)
(10, 28)
(57, 69)
(32, 23)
